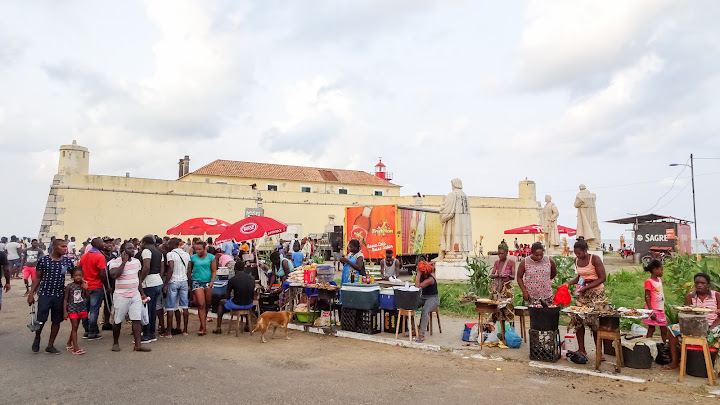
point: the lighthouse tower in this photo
(381, 172)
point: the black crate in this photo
(348, 319)
(268, 299)
(268, 308)
(544, 345)
(368, 321)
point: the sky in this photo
(563, 92)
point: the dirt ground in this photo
(307, 368)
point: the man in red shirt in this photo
(93, 265)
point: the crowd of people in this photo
(149, 282)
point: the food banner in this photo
(373, 227)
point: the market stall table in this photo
(489, 307)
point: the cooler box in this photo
(387, 299)
(360, 296)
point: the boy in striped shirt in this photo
(128, 297)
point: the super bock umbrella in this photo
(252, 228)
(536, 229)
(199, 226)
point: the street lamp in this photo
(692, 180)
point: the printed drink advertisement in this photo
(373, 227)
(420, 232)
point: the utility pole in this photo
(692, 180)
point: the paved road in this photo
(308, 368)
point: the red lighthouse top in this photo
(381, 172)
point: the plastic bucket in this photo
(544, 318)
(405, 299)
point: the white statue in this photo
(550, 216)
(456, 236)
(587, 223)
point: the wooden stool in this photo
(699, 341)
(521, 312)
(430, 323)
(615, 337)
(409, 315)
(240, 313)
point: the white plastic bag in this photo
(489, 337)
(474, 333)
(144, 316)
(636, 329)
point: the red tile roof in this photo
(251, 170)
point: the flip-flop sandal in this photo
(79, 351)
(202, 333)
(209, 319)
(420, 340)
(217, 331)
(69, 348)
(185, 333)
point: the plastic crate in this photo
(348, 319)
(367, 322)
(269, 299)
(544, 345)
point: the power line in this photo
(676, 196)
(629, 184)
(671, 187)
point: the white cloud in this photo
(570, 39)
(567, 92)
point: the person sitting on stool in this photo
(242, 289)
(429, 300)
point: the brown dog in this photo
(275, 319)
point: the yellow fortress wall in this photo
(84, 205)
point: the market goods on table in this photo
(685, 308)
(486, 301)
(323, 286)
(578, 309)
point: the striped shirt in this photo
(127, 284)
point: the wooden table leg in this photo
(502, 329)
(522, 327)
(708, 363)
(683, 359)
(397, 325)
(480, 330)
(598, 351)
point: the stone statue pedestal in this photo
(554, 251)
(451, 271)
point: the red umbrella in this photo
(565, 229)
(535, 229)
(252, 228)
(530, 229)
(199, 226)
